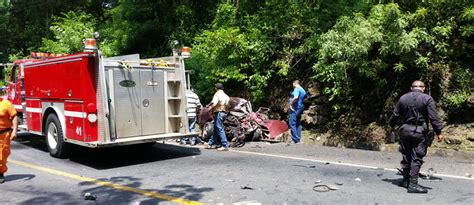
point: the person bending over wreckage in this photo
(416, 110)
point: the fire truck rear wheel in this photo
(55, 138)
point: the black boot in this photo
(406, 178)
(2, 178)
(413, 186)
(404, 182)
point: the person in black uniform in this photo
(416, 110)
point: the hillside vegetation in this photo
(355, 57)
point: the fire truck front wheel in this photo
(55, 138)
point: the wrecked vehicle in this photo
(243, 125)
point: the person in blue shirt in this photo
(296, 109)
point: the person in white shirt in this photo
(193, 106)
(219, 106)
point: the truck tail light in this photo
(91, 108)
(90, 44)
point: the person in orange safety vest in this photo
(8, 128)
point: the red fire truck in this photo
(93, 101)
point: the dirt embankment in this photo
(353, 130)
(458, 137)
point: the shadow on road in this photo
(113, 157)
(15, 177)
(185, 191)
(108, 158)
(107, 195)
(31, 140)
(398, 181)
(395, 182)
(52, 198)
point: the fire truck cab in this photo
(93, 101)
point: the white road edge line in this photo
(341, 163)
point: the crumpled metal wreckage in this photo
(243, 125)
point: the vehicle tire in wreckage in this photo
(256, 135)
(208, 130)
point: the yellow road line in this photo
(106, 184)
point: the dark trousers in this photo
(413, 150)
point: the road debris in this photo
(310, 166)
(90, 197)
(230, 180)
(358, 179)
(327, 163)
(318, 181)
(324, 188)
(468, 175)
(253, 202)
(428, 176)
(246, 187)
(430, 198)
(317, 138)
(339, 183)
(429, 173)
(399, 171)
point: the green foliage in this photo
(363, 47)
(267, 42)
(468, 17)
(387, 45)
(69, 31)
(24, 23)
(354, 53)
(148, 27)
(455, 100)
(227, 54)
(463, 83)
(226, 16)
(15, 56)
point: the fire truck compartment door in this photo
(127, 103)
(139, 102)
(75, 117)
(152, 102)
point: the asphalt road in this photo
(259, 172)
